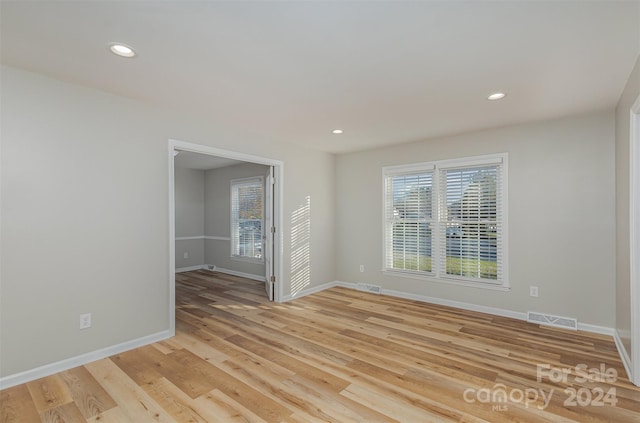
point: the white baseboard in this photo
(622, 351)
(80, 360)
(236, 273)
(190, 268)
(602, 330)
(221, 270)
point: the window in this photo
(410, 222)
(247, 196)
(446, 220)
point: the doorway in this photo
(270, 254)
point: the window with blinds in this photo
(446, 220)
(409, 221)
(247, 196)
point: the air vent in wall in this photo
(550, 320)
(368, 288)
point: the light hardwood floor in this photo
(335, 356)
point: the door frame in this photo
(268, 236)
(278, 245)
(634, 247)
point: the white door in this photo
(269, 231)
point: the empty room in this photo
(319, 211)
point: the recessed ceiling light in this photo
(122, 50)
(337, 131)
(496, 96)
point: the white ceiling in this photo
(385, 72)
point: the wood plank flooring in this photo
(336, 356)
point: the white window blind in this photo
(409, 221)
(247, 197)
(472, 222)
(446, 220)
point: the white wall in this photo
(85, 215)
(561, 216)
(189, 198)
(623, 264)
(218, 216)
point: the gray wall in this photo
(561, 214)
(217, 212)
(84, 214)
(189, 200)
(623, 153)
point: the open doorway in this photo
(235, 225)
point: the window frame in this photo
(232, 230)
(408, 170)
(438, 247)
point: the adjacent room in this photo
(216, 197)
(220, 211)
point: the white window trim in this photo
(436, 167)
(235, 257)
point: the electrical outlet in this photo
(85, 321)
(533, 291)
(362, 268)
(186, 255)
